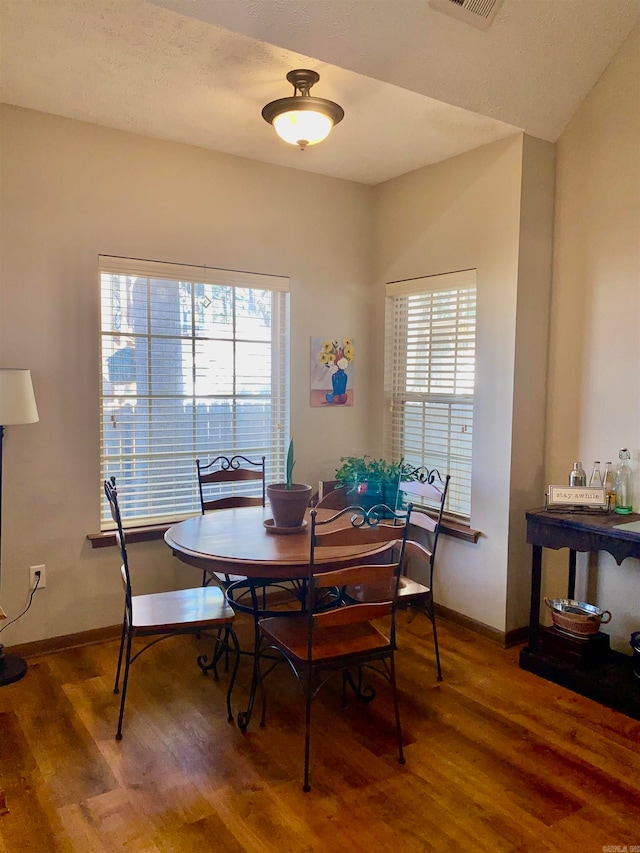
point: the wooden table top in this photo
(236, 541)
(607, 531)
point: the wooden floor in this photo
(497, 759)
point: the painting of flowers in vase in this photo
(332, 371)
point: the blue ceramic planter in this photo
(368, 493)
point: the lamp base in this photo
(12, 668)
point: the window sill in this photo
(149, 533)
(459, 530)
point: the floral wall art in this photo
(332, 371)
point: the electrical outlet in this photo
(33, 570)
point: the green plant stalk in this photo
(290, 463)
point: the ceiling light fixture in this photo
(301, 119)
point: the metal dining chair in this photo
(225, 482)
(424, 521)
(334, 499)
(216, 481)
(163, 614)
(343, 640)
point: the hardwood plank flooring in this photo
(497, 759)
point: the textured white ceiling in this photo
(417, 86)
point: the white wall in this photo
(594, 349)
(71, 191)
(460, 214)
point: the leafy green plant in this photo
(361, 469)
(290, 463)
(370, 482)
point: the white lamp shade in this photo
(306, 126)
(17, 401)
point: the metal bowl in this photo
(577, 617)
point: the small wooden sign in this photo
(576, 496)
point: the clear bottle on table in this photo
(577, 477)
(624, 502)
(595, 481)
(609, 484)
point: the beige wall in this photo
(594, 349)
(530, 366)
(466, 213)
(71, 191)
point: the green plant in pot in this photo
(370, 481)
(289, 500)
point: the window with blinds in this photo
(430, 375)
(194, 364)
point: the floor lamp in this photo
(17, 406)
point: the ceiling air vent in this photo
(477, 13)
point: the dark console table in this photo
(606, 676)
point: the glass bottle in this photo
(595, 481)
(577, 477)
(608, 482)
(624, 503)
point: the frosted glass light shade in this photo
(302, 127)
(301, 119)
(17, 400)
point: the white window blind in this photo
(194, 364)
(429, 377)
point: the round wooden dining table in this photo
(237, 542)
(242, 542)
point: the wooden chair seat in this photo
(226, 578)
(291, 636)
(186, 609)
(409, 590)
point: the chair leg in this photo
(396, 706)
(226, 656)
(231, 634)
(363, 692)
(220, 647)
(245, 716)
(307, 730)
(125, 682)
(116, 686)
(263, 716)
(435, 641)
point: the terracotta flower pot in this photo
(289, 505)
